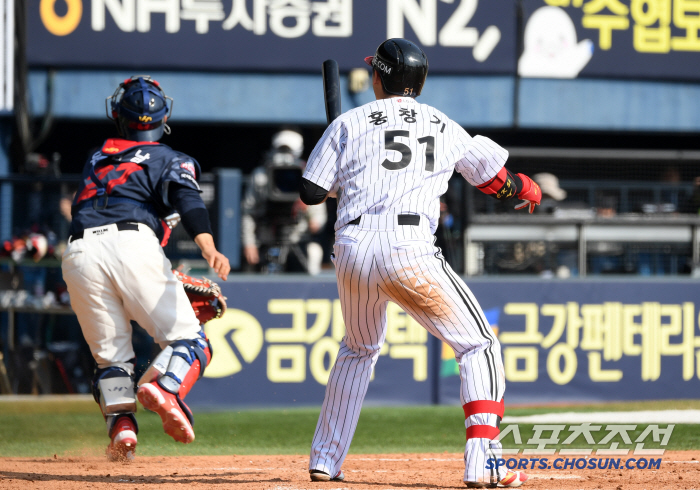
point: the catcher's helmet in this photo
(139, 107)
(402, 67)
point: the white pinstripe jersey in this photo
(395, 156)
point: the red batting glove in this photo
(531, 193)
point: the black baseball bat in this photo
(331, 89)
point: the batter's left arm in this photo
(195, 219)
(311, 193)
(483, 165)
(320, 179)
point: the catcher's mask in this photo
(139, 108)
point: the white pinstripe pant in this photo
(379, 261)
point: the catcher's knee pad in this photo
(113, 389)
(179, 365)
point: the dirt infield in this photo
(678, 470)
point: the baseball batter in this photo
(116, 271)
(388, 162)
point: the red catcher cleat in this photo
(175, 422)
(123, 444)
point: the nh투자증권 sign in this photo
(652, 39)
(459, 36)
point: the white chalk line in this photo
(382, 459)
(280, 487)
(549, 476)
(237, 468)
(636, 417)
(315, 487)
(287, 468)
(406, 459)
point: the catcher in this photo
(116, 271)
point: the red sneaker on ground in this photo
(123, 444)
(511, 480)
(176, 423)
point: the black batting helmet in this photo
(139, 107)
(402, 67)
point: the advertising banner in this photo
(561, 341)
(591, 340)
(459, 36)
(656, 39)
(611, 38)
(278, 340)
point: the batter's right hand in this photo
(251, 254)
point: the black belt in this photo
(122, 226)
(404, 219)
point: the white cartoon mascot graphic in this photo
(551, 50)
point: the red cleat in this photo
(123, 444)
(512, 479)
(176, 423)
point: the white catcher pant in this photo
(379, 261)
(117, 276)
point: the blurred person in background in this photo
(606, 257)
(279, 232)
(562, 263)
(671, 199)
(651, 259)
(447, 234)
(692, 204)
(606, 205)
(552, 194)
(544, 258)
(556, 201)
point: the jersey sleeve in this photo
(324, 161)
(183, 170)
(481, 159)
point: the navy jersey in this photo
(128, 181)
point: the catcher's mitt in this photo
(204, 295)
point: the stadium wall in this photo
(472, 101)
